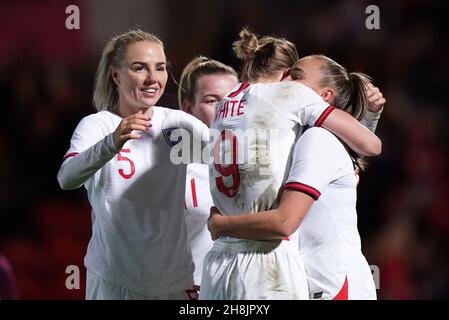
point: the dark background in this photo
(46, 80)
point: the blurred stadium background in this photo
(46, 78)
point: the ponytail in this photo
(245, 48)
(349, 93)
(359, 101)
(263, 57)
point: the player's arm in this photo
(353, 133)
(88, 153)
(315, 164)
(362, 141)
(314, 111)
(77, 168)
(265, 225)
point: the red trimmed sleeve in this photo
(323, 116)
(71, 154)
(314, 193)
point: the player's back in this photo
(256, 126)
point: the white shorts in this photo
(98, 288)
(254, 270)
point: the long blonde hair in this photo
(263, 56)
(198, 67)
(105, 90)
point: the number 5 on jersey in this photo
(230, 170)
(132, 169)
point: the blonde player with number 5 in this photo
(121, 154)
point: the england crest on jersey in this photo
(167, 135)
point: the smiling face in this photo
(209, 90)
(141, 77)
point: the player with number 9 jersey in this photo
(253, 133)
(257, 126)
(322, 184)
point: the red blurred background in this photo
(46, 79)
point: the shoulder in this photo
(97, 124)
(272, 86)
(103, 116)
(100, 116)
(284, 89)
(322, 139)
(282, 85)
(318, 134)
(177, 118)
(91, 120)
(323, 144)
(165, 112)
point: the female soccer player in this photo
(245, 269)
(203, 83)
(321, 183)
(121, 154)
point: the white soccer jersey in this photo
(139, 238)
(198, 202)
(270, 116)
(328, 237)
(249, 181)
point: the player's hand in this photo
(124, 131)
(376, 100)
(213, 222)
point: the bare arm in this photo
(264, 225)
